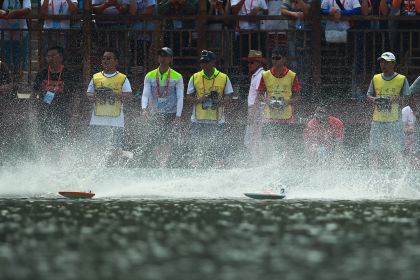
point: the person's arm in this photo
(365, 8)
(179, 97)
(44, 7)
(385, 8)
(133, 7)
(72, 7)
(296, 87)
(126, 91)
(415, 87)
(235, 8)
(147, 90)
(304, 7)
(100, 8)
(371, 93)
(351, 12)
(227, 93)
(396, 4)
(91, 93)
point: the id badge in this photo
(161, 103)
(48, 97)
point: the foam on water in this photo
(34, 179)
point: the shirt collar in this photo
(215, 73)
(281, 74)
(258, 71)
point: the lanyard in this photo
(59, 77)
(166, 89)
(344, 3)
(250, 7)
(204, 86)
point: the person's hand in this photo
(299, 15)
(255, 11)
(3, 14)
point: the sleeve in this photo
(406, 88)
(297, 86)
(352, 12)
(286, 5)
(179, 97)
(404, 114)
(146, 93)
(91, 87)
(415, 87)
(191, 88)
(126, 88)
(371, 90)
(234, 2)
(325, 7)
(228, 87)
(97, 2)
(27, 4)
(263, 5)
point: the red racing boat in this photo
(77, 195)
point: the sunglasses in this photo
(276, 57)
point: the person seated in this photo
(323, 137)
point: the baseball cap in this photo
(387, 56)
(165, 51)
(207, 56)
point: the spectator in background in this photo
(277, 37)
(179, 8)
(247, 7)
(14, 51)
(337, 8)
(406, 8)
(141, 35)
(323, 137)
(111, 31)
(296, 11)
(59, 8)
(216, 8)
(55, 89)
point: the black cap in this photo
(207, 56)
(165, 51)
(279, 51)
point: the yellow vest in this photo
(278, 88)
(203, 86)
(385, 88)
(108, 107)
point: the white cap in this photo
(388, 56)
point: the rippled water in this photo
(197, 224)
(208, 239)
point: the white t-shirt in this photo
(246, 9)
(339, 25)
(14, 23)
(61, 7)
(274, 9)
(104, 120)
(255, 81)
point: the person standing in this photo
(253, 130)
(107, 90)
(55, 88)
(210, 90)
(162, 103)
(15, 44)
(387, 91)
(279, 89)
(410, 119)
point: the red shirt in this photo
(315, 133)
(296, 84)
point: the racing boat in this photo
(77, 195)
